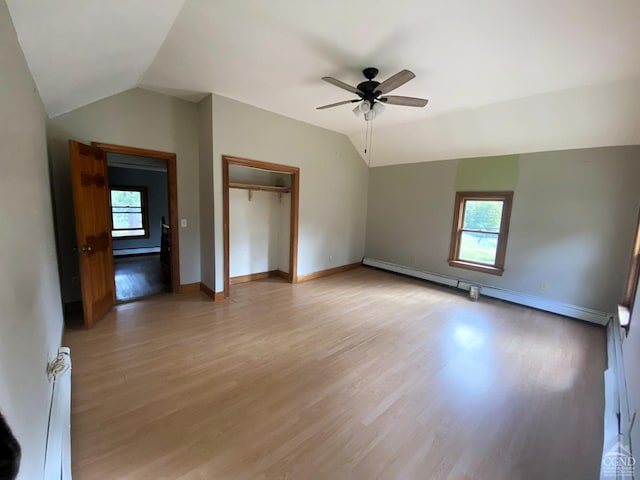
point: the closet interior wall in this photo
(259, 223)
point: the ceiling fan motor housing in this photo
(368, 88)
(370, 73)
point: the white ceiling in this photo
(80, 51)
(502, 76)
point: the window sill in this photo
(478, 267)
(131, 237)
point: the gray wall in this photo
(31, 314)
(205, 168)
(571, 225)
(157, 198)
(333, 181)
(136, 118)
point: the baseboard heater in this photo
(573, 311)
(57, 463)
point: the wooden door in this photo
(91, 204)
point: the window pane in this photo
(128, 233)
(478, 247)
(126, 198)
(483, 215)
(127, 220)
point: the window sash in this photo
(494, 251)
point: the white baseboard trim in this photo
(573, 311)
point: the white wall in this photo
(30, 313)
(255, 232)
(571, 224)
(333, 181)
(136, 118)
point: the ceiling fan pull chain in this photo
(366, 137)
(371, 140)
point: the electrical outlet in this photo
(544, 285)
(183, 223)
(330, 257)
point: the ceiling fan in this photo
(372, 94)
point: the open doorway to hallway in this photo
(140, 230)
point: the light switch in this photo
(183, 222)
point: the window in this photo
(480, 228)
(129, 214)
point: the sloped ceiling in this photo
(502, 76)
(80, 51)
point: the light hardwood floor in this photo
(360, 375)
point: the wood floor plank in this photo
(360, 375)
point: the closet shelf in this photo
(263, 188)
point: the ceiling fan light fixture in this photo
(378, 108)
(371, 103)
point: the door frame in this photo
(295, 197)
(172, 187)
(633, 276)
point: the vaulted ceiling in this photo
(502, 76)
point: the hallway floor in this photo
(139, 276)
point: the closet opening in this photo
(260, 220)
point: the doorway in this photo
(271, 181)
(165, 248)
(138, 189)
(94, 222)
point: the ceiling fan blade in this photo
(337, 104)
(345, 86)
(405, 101)
(395, 81)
